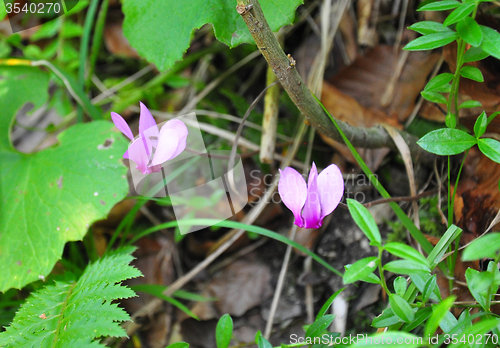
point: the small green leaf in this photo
(470, 104)
(440, 5)
(319, 326)
(490, 148)
(492, 116)
(46, 30)
(491, 41)
(385, 319)
(428, 27)
(486, 246)
(224, 331)
(472, 73)
(475, 54)
(480, 125)
(328, 303)
(450, 121)
(400, 286)
(464, 320)
(360, 269)
(263, 343)
(420, 316)
(438, 81)
(401, 308)
(405, 267)
(406, 252)
(429, 288)
(365, 221)
(459, 13)
(420, 279)
(478, 282)
(371, 278)
(469, 31)
(441, 247)
(448, 323)
(481, 282)
(431, 41)
(447, 141)
(178, 345)
(71, 29)
(433, 97)
(438, 313)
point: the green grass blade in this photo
(237, 225)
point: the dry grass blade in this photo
(209, 88)
(232, 155)
(109, 92)
(406, 155)
(269, 120)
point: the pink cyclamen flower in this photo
(312, 202)
(152, 147)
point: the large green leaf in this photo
(51, 197)
(491, 41)
(161, 30)
(447, 141)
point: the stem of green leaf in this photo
(381, 271)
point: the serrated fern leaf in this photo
(75, 313)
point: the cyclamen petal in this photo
(312, 202)
(182, 132)
(292, 189)
(138, 153)
(167, 146)
(122, 125)
(152, 147)
(312, 207)
(146, 121)
(332, 187)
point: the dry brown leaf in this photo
(347, 28)
(366, 81)
(355, 94)
(477, 197)
(116, 42)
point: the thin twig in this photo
(374, 137)
(232, 155)
(395, 199)
(279, 285)
(122, 84)
(192, 103)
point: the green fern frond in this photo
(74, 314)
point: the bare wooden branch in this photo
(283, 67)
